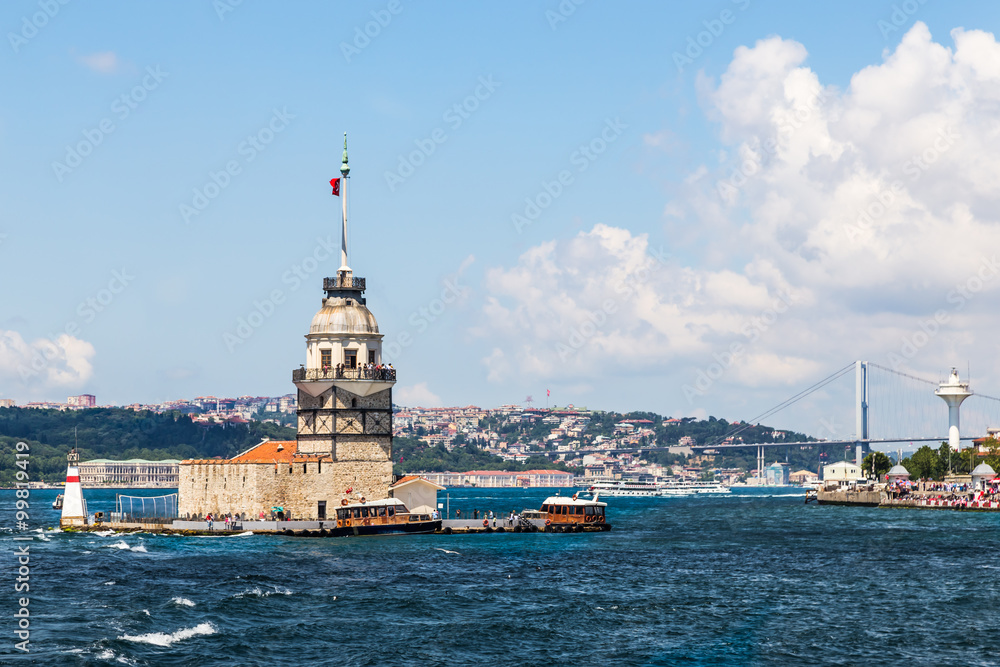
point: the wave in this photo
(163, 639)
(123, 546)
(109, 655)
(109, 583)
(247, 533)
(182, 601)
(104, 533)
(258, 592)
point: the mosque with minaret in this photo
(343, 448)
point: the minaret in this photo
(344, 392)
(953, 392)
(74, 509)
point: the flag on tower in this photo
(335, 182)
(548, 393)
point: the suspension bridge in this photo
(890, 407)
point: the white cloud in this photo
(869, 209)
(105, 62)
(44, 364)
(417, 395)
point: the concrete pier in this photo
(918, 498)
(309, 528)
(320, 528)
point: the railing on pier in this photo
(343, 282)
(360, 373)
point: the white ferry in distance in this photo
(657, 489)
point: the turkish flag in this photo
(335, 182)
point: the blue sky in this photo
(163, 96)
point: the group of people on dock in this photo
(509, 521)
(228, 519)
(945, 494)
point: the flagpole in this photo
(344, 171)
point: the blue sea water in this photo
(756, 578)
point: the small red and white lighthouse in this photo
(74, 509)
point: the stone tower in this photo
(344, 391)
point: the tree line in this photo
(118, 433)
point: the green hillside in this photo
(118, 433)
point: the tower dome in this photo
(343, 316)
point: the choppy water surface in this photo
(750, 579)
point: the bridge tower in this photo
(953, 392)
(861, 410)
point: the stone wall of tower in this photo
(247, 488)
(354, 431)
(346, 426)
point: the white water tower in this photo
(953, 392)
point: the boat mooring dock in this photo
(323, 528)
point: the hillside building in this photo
(130, 474)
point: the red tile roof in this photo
(280, 451)
(272, 451)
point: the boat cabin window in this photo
(392, 510)
(545, 508)
(589, 510)
(381, 511)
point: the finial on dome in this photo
(344, 168)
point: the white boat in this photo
(655, 489)
(623, 488)
(687, 488)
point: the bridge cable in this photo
(784, 404)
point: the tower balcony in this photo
(362, 374)
(361, 381)
(344, 281)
